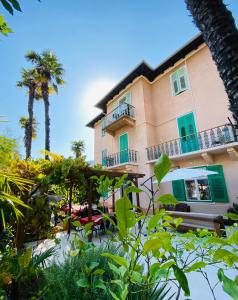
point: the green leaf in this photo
(154, 220)
(93, 265)
(7, 6)
(196, 266)
(99, 272)
(83, 282)
(232, 216)
(114, 296)
(114, 268)
(226, 256)
(74, 252)
(4, 29)
(76, 224)
(167, 199)
(125, 217)
(167, 265)
(100, 285)
(229, 286)
(152, 244)
(118, 259)
(15, 4)
(182, 279)
(162, 167)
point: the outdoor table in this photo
(97, 220)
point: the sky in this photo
(98, 43)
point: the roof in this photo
(96, 119)
(143, 69)
(88, 171)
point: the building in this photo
(179, 108)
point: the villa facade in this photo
(179, 108)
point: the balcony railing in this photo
(123, 157)
(206, 139)
(120, 111)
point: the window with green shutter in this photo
(179, 81)
(102, 127)
(212, 188)
(217, 184)
(104, 157)
(179, 190)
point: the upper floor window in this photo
(126, 98)
(103, 132)
(179, 81)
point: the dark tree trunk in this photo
(29, 125)
(45, 95)
(219, 31)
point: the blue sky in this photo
(98, 43)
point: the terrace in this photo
(215, 140)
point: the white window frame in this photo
(180, 89)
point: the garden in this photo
(133, 255)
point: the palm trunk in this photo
(219, 31)
(45, 95)
(29, 125)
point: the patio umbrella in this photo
(186, 173)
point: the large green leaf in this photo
(226, 256)
(118, 259)
(228, 285)
(182, 279)
(125, 217)
(197, 265)
(232, 216)
(162, 167)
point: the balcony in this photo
(219, 139)
(122, 115)
(121, 159)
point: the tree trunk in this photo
(221, 35)
(45, 95)
(29, 125)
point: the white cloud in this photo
(94, 92)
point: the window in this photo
(179, 81)
(104, 157)
(212, 187)
(103, 132)
(197, 189)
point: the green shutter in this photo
(179, 190)
(104, 157)
(217, 184)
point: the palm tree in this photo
(50, 73)
(29, 80)
(24, 123)
(78, 148)
(219, 31)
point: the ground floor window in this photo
(210, 188)
(198, 189)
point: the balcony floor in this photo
(119, 123)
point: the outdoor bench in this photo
(193, 221)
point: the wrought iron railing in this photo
(123, 109)
(122, 157)
(206, 139)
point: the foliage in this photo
(78, 147)
(167, 255)
(23, 122)
(8, 151)
(82, 275)
(4, 28)
(7, 199)
(22, 268)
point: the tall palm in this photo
(24, 123)
(29, 80)
(219, 31)
(78, 148)
(50, 73)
